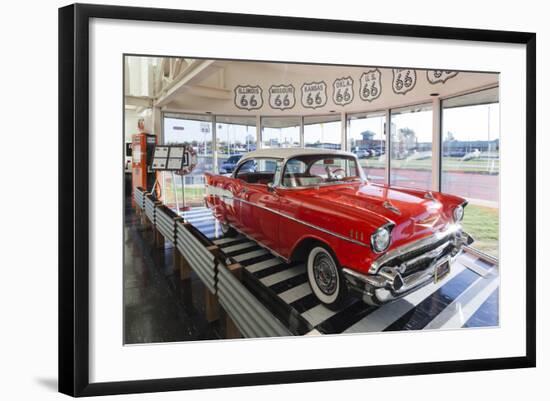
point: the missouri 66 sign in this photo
(282, 97)
(342, 91)
(403, 80)
(314, 94)
(370, 85)
(248, 97)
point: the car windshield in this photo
(315, 170)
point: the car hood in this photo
(415, 213)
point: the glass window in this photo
(258, 171)
(470, 162)
(236, 136)
(367, 139)
(323, 132)
(411, 133)
(195, 130)
(314, 170)
(281, 132)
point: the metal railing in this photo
(165, 223)
(216, 271)
(139, 197)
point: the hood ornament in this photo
(429, 195)
(391, 207)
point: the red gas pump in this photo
(143, 145)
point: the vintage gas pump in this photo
(143, 145)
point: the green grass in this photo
(482, 223)
(193, 195)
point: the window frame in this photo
(282, 170)
(277, 160)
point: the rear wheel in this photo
(325, 277)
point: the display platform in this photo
(468, 297)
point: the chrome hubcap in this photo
(325, 273)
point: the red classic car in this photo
(376, 241)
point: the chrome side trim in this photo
(342, 237)
(438, 236)
(307, 224)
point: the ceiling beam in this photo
(201, 70)
(208, 92)
(138, 101)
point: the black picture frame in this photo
(74, 201)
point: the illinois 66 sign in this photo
(314, 94)
(248, 97)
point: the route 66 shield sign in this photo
(403, 80)
(248, 97)
(370, 85)
(435, 76)
(314, 94)
(342, 91)
(282, 97)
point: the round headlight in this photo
(381, 239)
(458, 214)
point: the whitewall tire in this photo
(324, 277)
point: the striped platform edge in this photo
(467, 297)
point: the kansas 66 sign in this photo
(248, 97)
(403, 81)
(314, 94)
(282, 97)
(370, 85)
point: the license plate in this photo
(441, 270)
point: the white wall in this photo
(28, 287)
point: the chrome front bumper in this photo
(399, 275)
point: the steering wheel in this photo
(334, 175)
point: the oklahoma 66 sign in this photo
(342, 91)
(314, 94)
(248, 97)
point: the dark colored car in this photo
(229, 165)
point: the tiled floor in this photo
(158, 306)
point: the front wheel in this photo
(325, 277)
